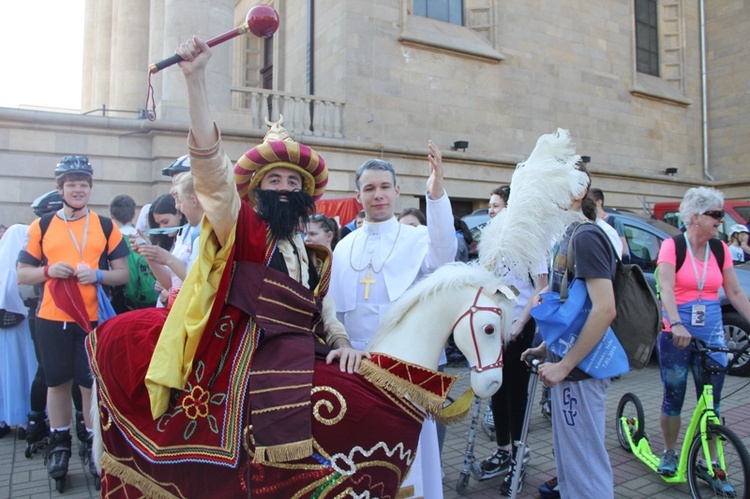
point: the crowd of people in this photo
(61, 267)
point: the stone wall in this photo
(513, 73)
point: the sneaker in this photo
(493, 466)
(721, 485)
(701, 471)
(526, 453)
(4, 430)
(550, 489)
(668, 464)
(489, 419)
(718, 481)
(505, 487)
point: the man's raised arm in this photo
(443, 242)
(211, 168)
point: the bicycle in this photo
(728, 473)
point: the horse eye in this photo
(489, 329)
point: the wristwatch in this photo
(675, 323)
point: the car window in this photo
(673, 218)
(643, 245)
(744, 212)
(729, 220)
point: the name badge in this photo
(698, 315)
(85, 266)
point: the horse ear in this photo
(505, 290)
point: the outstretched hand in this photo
(195, 54)
(349, 358)
(437, 172)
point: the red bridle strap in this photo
(474, 308)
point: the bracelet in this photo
(99, 276)
(46, 272)
(676, 323)
(207, 152)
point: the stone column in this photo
(156, 51)
(129, 66)
(182, 20)
(97, 53)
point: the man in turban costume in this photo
(239, 344)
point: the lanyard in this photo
(73, 237)
(702, 281)
(165, 230)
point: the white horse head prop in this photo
(467, 301)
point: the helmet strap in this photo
(73, 209)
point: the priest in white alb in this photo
(374, 265)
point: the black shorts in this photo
(62, 351)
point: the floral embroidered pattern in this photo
(196, 404)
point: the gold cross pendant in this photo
(367, 281)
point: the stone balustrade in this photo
(303, 114)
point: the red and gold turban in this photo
(278, 150)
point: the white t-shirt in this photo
(737, 254)
(613, 236)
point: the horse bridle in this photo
(474, 308)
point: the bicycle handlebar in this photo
(702, 348)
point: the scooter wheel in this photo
(463, 482)
(629, 421)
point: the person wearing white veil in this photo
(17, 359)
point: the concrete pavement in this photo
(22, 478)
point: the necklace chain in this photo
(369, 264)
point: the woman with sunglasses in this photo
(690, 302)
(323, 231)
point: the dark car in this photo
(645, 235)
(475, 221)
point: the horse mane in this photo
(448, 277)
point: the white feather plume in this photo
(542, 189)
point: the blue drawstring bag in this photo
(105, 307)
(560, 322)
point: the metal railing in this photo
(104, 110)
(303, 114)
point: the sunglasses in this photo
(329, 222)
(717, 214)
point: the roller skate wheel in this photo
(60, 484)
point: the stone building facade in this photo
(372, 78)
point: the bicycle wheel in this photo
(732, 481)
(631, 409)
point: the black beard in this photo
(284, 217)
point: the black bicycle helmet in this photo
(46, 203)
(73, 164)
(180, 165)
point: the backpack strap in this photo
(680, 246)
(43, 226)
(570, 258)
(106, 224)
(718, 250)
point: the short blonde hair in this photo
(184, 185)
